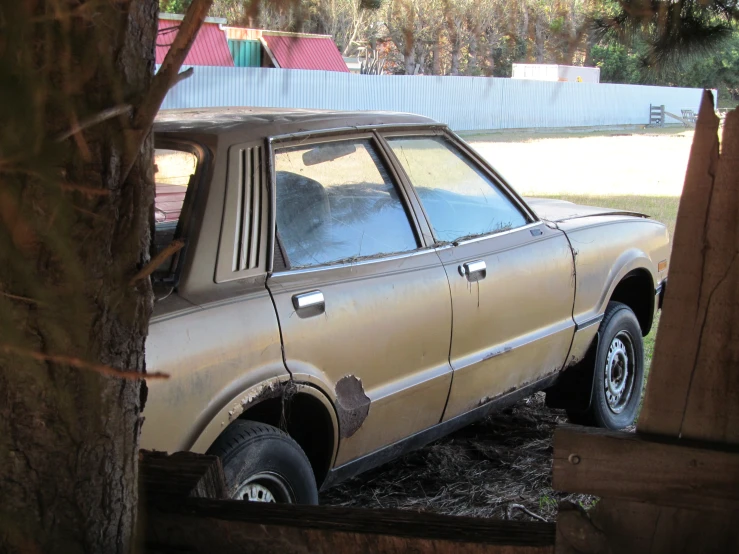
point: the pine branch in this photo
(81, 364)
(167, 76)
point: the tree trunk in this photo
(525, 30)
(73, 232)
(539, 45)
(436, 64)
(409, 59)
(421, 64)
(589, 43)
(456, 43)
(472, 65)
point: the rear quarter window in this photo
(174, 171)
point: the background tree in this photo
(485, 37)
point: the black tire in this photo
(260, 460)
(620, 347)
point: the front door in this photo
(511, 277)
(363, 306)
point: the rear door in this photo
(363, 302)
(511, 276)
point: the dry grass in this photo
(482, 470)
(505, 460)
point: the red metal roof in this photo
(210, 46)
(293, 52)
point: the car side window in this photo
(173, 172)
(459, 199)
(336, 202)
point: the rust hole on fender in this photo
(352, 405)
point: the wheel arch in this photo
(306, 414)
(631, 281)
(636, 289)
(303, 410)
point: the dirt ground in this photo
(501, 466)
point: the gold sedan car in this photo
(356, 285)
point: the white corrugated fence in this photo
(463, 103)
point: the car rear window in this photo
(459, 199)
(336, 202)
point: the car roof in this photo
(257, 123)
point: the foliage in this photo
(671, 30)
(719, 69)
(173, 6)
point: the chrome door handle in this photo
(309, 303)
(474, 271)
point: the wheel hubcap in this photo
(265, 487)
(619, 372)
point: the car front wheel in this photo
(619, 371)
(263, 464)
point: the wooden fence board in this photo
(177, 514)
(693, 388)
(199, 525)
(624, 465)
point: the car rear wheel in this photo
(263, 464)
(619, 372)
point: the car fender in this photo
(629, 260)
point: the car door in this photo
(363, 303)
(511, 276)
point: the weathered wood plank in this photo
(693, 388)
(629, 466)
(177, 514)
(181, 475)
(199, 525)
(621, 526)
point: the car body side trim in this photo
(589, 322)
(422, 438)
(505, 348)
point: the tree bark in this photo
(73, 231)
(455, 40)
(472, 65)
(409, 58)
(539, 45)
(589, 43)
(436, 54)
